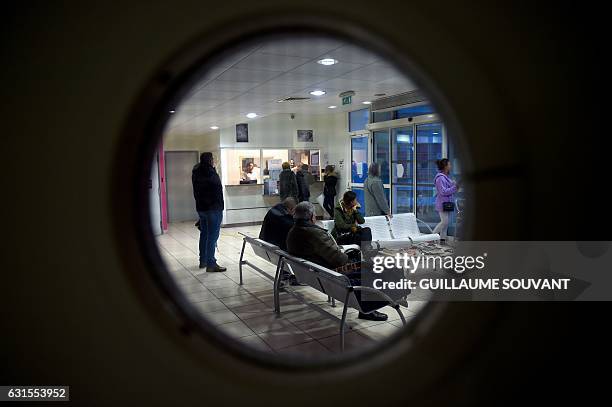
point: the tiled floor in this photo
(246, 312)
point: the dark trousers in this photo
(365, 276)
(210, 225)
(361, 235)
(328, 204)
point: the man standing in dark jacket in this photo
(208, 193)
(287, 184)
(303, 182)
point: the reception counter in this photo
(247, 204)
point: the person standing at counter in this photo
(287, 183)
(208, 194)
(303, 182)
(374, 191)
(445, 201)
(329, 190)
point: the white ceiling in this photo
(255, 78)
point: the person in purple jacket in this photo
(445, 190)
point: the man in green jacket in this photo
(347, 219)
(311, 242)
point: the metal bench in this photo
(335, 285)
(262, 249)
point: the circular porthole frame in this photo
(142, 260)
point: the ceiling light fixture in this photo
(332, 107)
(251, 115)
(318, 92)
(367, 102)
(214, 127)
(327, 61)
(172, 111)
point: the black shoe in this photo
(294, 281)
(373, 316)
(202, 265)
(216, 269)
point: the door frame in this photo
(197, 157)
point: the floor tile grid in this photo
(226, 320)
(229, 320)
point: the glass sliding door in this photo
(429, 148)
(456, 220)
(402, 169)
(382, 156)
(359, 166)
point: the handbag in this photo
(448, 206)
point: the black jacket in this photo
(207, 188)
(287, 184)
(303, 187)
(276, 225)
(330, 184)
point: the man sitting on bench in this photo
(275, 228)
(277, 223)
(313, 243)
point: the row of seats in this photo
(335, 285)
(399, 231)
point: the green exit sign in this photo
(347, 100)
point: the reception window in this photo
(263, 166)
(271, 159)
(241, 166)
(309, 157)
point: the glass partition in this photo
(382, 153)
(269, 159)
(428, 150)
(241, 166)
(402, 169)
(298, 157)
(358, 119)
(359, 159)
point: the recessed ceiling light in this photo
(172, 111)
(327, 61)
(435, 132)
(251, 115)
(214, 127)
(332, 107)
(318, 92)
(430, 115)
(367, 102)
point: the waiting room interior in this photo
(298, 100)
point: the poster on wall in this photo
(242, 133)
(305, 135)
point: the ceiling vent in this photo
(398, 100)
(293, 99)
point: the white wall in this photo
(280, 131)
(276, 131)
